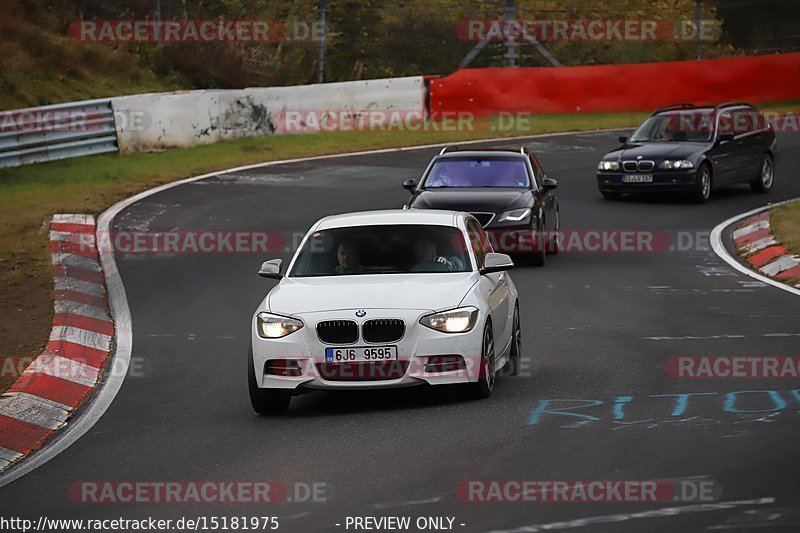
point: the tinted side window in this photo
(478, 241)
(725, 123)
(538, 173)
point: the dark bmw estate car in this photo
(505, 189)
(692, 149)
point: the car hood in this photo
(656, 150)
(473, 200)
(433, 292)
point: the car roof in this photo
(433, 217)
(491, 151)
(706, 108)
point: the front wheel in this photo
(554, 244)
(537, 258)
(703, 184)
(766, 176)
(486, 378)
(514, 364)
(265, 401)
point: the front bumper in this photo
(514, 239)
(663, 181)
(413, 349)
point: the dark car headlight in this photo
(515, 215)
(608, 165)
(675, 164)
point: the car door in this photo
(493, 288)
(753, 139)
(726, 156)
(545, 200)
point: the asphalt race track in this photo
(596, 326)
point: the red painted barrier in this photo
(614, 88)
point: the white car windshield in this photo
(382, 249)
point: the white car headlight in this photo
(514, 216)
(680, 164)
(455, 321)
(608, 165)
(271, 326)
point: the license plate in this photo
(361, 354)
(637, 178)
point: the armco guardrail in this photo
(59, 131)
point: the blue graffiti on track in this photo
(689, 405)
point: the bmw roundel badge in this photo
(361, 313)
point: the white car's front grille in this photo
(337, 331)
(383, 330)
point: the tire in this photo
(553, 246)
(702, 191)
(483, 388)
(766, 176)
(514, 364)
(611, 195)
(265, 401)
(537, 256)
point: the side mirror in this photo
(724, 137)
(495, 262)
(623, 139)
(271, 269)
(410, 185)
(548, 184)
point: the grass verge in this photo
(785, 223)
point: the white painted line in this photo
(775, 267)
(33, 412)
(65, 283)
(120, 311)
(757, 246)
(9, 455)
(66, 259)
(66, 307)
(716, 244)
(84, 337)
(750, 228)
(74, 219)
(660, 513)
(64, 368)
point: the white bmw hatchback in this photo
(385, 299)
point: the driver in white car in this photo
(428, 259)
(349, 257)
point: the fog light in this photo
(284, 367)
(444, 363)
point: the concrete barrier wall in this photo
(181, 119)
